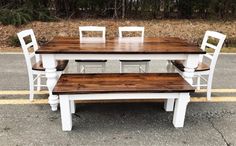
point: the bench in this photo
(126, 86)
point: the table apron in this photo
(122, 56)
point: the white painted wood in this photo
(72, 106)
(141, 66)
(124, 56)
(84, 66)
(49, 63)
(190, 64)
(182, 100)
(29, 58)
(108, 57)
(169, 105)
(66, 117)
(180, 109)
(123, 96)
(189, 72)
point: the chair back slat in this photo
(210, 46)
(209, 56)
(84, 39)
(123, 39)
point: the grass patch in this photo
(223, 50)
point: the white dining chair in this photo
(83, 65)
(142, 65)
(205, 69)
(33, 61)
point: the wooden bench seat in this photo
(110, 86)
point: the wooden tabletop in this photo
(160, 45)
(126, 82)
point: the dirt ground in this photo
(191, 30)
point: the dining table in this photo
(158, 48)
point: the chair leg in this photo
(169, 105)
(147, 67)
(209, 86)
(198, 82)
(78, 67)
(39, 83)
(103, 68)
(170, 67)
(121, 67)
(81, 68)
(140, 69)
(31, 88)
(72, 106)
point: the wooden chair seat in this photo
(61, 65)
(180, 66)
(90, 60)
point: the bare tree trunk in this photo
(115, 10)
(123, 9)
(52, 7)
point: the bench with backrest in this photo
(71, 87)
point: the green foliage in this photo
(14, 41)
(18, 12)
(21, 13)
(14, 16)
(230, 42)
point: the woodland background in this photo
(188, 19)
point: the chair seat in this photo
(61, 65)
(90, 60)
(201, 66)
(135, 60)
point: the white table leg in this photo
(50, 64)
(169, 105)
(72, 106)
(180, 109)
(190, 64)
(66, 117)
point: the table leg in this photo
(190, 65)
(180, 109)
(66, 117)
(50, 64)
(169, 105)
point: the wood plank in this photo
(117, 83)
(162, 45)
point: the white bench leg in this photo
(169, 105)
(180, 109)
(66, 117)
(72, 106)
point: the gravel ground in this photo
(191, 30)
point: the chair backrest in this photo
(216, 47)
(25, 45)
(89, 39)
(131, 29)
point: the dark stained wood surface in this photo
(201, 66)
(119, 83)
(90, 60)
(61, 65)
(162, 45)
